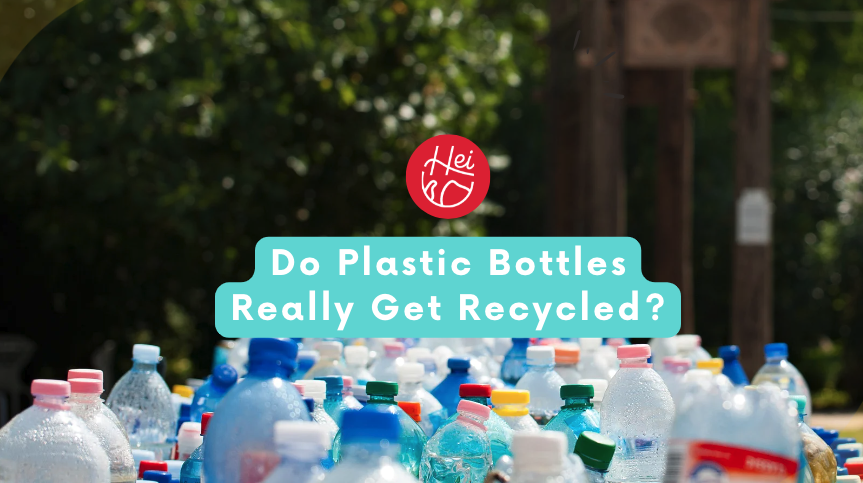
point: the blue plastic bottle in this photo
(194, 465)
(335, 404)
(305, 361)
(208, 396)
(302, 446)
(515, 362)
(461, 451)
(447, 391)
(577, 414)
(240, 434)
(730, 354)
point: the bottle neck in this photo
(81, 398)
(577, 403)
(457, 373)
(377, 399)
(776, 359)
(540, 366)
(51, 402)
(364, 452)
(471, 420)
(639, 363)
(268, 369)
(410, 387)
(334, 394)
(478, 400)
(141, 366)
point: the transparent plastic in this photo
(193, 467)
(370, 462)
(593, 364)
(498, 431)
(782, 373)
(575, 417)
(544, 387)
(432, 413)
(568, 372)
(515, 362)
(300, 463)
(89, 408)
(459, 452)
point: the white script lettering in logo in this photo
(453, 171)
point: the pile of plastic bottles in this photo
(433, 410)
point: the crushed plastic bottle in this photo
(512, 406)
(543, 458)
(460, 451)
(577, 414)
(447, 392)
(542, 383)
(410, 378)
(142, 402)
(193, 467)
(498, 431)
(566, 357)
(596, 452)
(592, 364)
(47, 443)
(385, 368)
(208, 396)
(356, 363)
(302, 446)
(732, 369)
(330, 362)
(515, 362)
(778, 371)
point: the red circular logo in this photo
(448, 176)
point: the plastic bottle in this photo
(384, 369)
(317, 390)
(674, 369)
(512, 406)
(715, 366)
(330, 362)
(188, 440)
(106, 411)
(660, 348)
(208, 396)
(542, 458)
(818, 463)
(240, 445)
(302, 446)
(410, 378)
(238, 357)
(142, 402)
(498, 431)
(424, 356)
(348, 394)
(689, 347)
(592, 364)
(87, 405)
(730, 355)
(515, 362)
(460, 451)
(542, 383)
(359, 391)
(596, 452)
(778, 371)
(447, 391)
(334, 402)
(577, 414)
(566, 358)
(306, 359)
(599, 388)
(637, 413)
(356, 362)
(47, 443)
(194, 465)
(370, 448)
(747, 434)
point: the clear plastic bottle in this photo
(577, 414)
(317, 391)
(637, 413)
(818, 462)
(330, 362)
(208, 396)
(370, 448)
(778, 371)
(142, 402)
(730, 355)
(542, 458)
(47, 443)
(359, 393)
(599, 388)
(592, 364)
(432, 413)
(715, 366)
(240, 446)
(335, 403)
(424, 356)
(302, 446)
(689, 347)
(672, 374)
(106, 411)
(566, 357)
(515, 362)
(542, 383)
(87, 405)
(660, 348)
(512, 406)
(498, 431)
(356, 362)
(460, 451)
(384, 369)
(447, 392)
(350, 401)
(193, 467)
(596, 452)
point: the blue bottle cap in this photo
(458, 363)
(275, 351)
(310, 404)
(224, 376)
(836, 442)
(157, 476)
(729, 352)
(842, 455)
(372, 423)
(829, 436)
(841, 471)
(333, 382)
(776, 349)
(520, 340)
(185, 410)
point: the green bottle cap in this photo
(801, 403)
(569, 391)
(595, 450)
(381, 388)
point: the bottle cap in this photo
(568, 391)
(394, 349)
(182, 391)
(599, 387)
(382, 388)
(687, 342)
(458, 363)
(359, 391)
(274, 351)
(85, 386)
(299, 388)
(205, 421)
(157, 476)
(830, 435)
(314, 389)
(372, 423)
(147, 465)
(50, 387)
(635, 351)
(836, 442)
(224, 377)
(540, 355)
(714, 365)
(357, 355)
(848, 478)
(332, 383)
(776, 349)
(474, 390)
(189, 437)
(310, 432)
(347, 381)
(858, 447)
(410, 372)
(729, 352)
(415, 354)
(595, 450)
(590, 343)
(478, 410)
(510, 396)
(854, 467)
(412, 408)
(842, 471)
(84, 374)
(698, 375)
(542, 451)
(331, 349)
(148, 354)
(615, 342)
(844, 455)
(799, 403)
(566, 354)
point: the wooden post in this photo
(673, 253)
(752, 273)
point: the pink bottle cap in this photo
(616, 342)
(479, 410)
(86, 386)
(394, 348)
(635, 351)
(299, 387)
(347, 381)
(50, 387)
(84, 374)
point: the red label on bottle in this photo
(708, 462)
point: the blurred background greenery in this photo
(147, 145)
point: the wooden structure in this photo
(656, 44)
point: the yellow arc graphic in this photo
(21, 20)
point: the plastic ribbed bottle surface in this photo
(88, 407)
(499, 433)
(778, 371)
(459, 452)
(515, 362)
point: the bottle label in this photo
(705, 461)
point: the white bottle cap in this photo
(687, 342)
(589, 344)
(148, 354)
(857, 446)
(357, 355)
(298, 432)
(599, 387)
(174, 467)
(416, 354)
(853, 478)
(410, 372)
(542, 452)
(189, 438)
(540, 354)
(331, 349)
(698, 375)
(314, 389)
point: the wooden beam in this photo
(752, 273)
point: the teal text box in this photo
(609, 273)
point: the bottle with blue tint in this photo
(240, 433)
(142, 402)
(778, 371)
(543, 383)
(817, 460)
(371, 448)
(305, 360)
(460, 451)
(348, 394)
(499, 433)
(335, 403)
(577, 414)
(208, 396)
(596, 452)
(515, 362)
(193, 467)
(731, 355)
(447, 391)
(432, 414)
(384, 368)
(316, 390)
(834, 444)
(302, 446)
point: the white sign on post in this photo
(753, 217)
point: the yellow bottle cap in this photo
(510, 396)
(183, 391)
(714, 365)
